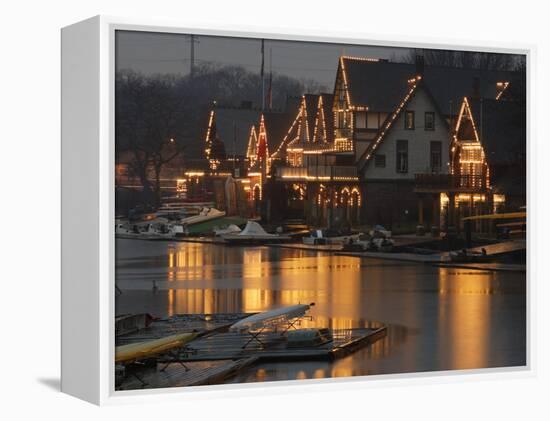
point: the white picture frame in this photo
(88, 52)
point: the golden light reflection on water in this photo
(334, 284)
(438, 318)
(465, 318)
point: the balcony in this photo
(433, 183)
(343, 133)
(318, 173)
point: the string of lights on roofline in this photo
(394, 115)
(302, 120)
(303, 109)
(471, 153)
(502, 86)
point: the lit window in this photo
(409, 120)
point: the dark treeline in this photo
(466, 59)
(161, 118)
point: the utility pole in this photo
(192, 39)
(234, 145)
(262, 76)
(270, 89)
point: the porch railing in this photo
(319, 172)
(450, 182)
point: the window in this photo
(429, 121)
(380, 161)
(360, 120)
(340, 119)
(409, 120)
(372, 120)
(435, 157)
(402, 156)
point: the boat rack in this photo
(217, 354)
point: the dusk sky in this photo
(150, 53)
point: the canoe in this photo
(148, 349)
(270, 318)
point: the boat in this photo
(230, 229)
(328, 236)
(381, 244)
(384, 245)
(126, 231)
(271, 318)
(206, 214)
(470, 256)
(126, 354)
(315, 238)
(378, 231)
(253, 233)
(363, 242)
(158, 229)
(310, 337)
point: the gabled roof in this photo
(449, 85)
(311, 106)
(251, 150)
(465, 128)
(233, 128)
(327, 100)
(501, 126)
(277, 125)
(386, 127)
(295, 130)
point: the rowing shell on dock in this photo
(143, 350)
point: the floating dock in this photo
(229, 345)
(217, 354)
(502, 248)
(496, 267)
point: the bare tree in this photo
(148, 126)
(157, 117)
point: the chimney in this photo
(475, 87)
(419, 62)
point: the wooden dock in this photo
(217, 354)
(177, 375)
(438, 257)
(495, 267)
(229, 345)
(502, 248)
(309, 247)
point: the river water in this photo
(437, 318)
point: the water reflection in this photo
(438, 318)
